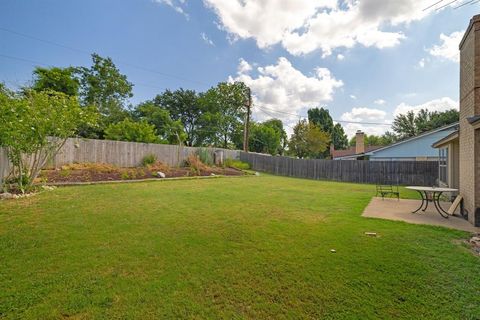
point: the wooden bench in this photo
(387, 190)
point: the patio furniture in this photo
(432, 194)
(384, 190)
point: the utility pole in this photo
(248, 104)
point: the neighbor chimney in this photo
(332, 150)
(360, 142)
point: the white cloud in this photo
(354, 97)
(176, 5)
(442, 104)
(375, 117)
(206, 39)
(380, 102)
(243, 67)
(448, 47)
(340, 57)
(303, 26)
(285, 90)
(421, 63)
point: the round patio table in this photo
(436, 193)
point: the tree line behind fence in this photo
(423, 173)
(119, 153)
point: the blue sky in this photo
(364, 60)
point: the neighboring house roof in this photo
(429, 134)
(351, 152)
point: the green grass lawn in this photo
(253, 247)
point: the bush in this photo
(195, 164)
(205, 156)
(149, 159)
(237, 164)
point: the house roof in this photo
(452, 136)
(453, 125)
(474, 120)
(351, 152)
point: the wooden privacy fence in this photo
(119, 153)
(423, 173)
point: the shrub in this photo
(237, 164)
(195, 164)
(149, 159)
(205, 156)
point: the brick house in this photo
(460, 151)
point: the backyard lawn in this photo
(249, 247)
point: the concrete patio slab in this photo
(401, 210)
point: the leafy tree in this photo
(322, 119)
(224, 110)
(277, 125)
(128, 130)
(307, 140)
(56, 79)
(168, 130)
(411, 124)
(339, 138)
(267, 137)
(182, 105)
(34, 126)
(373, 140)
(103, 86)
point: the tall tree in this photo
(56, 79)
(103, 86)
(277, 125)
(169, 130)
(322, 119)
(339, 138)
(263, 139)
(182, 105)
(308, 140)
(411, 124)
(223, 113)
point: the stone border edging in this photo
(87, 183)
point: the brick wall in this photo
(470, 106)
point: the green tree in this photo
(224, 111)
(104, 87)
(56, 79)
(411, 124)
(322, 119)
(182, 105)
(266, 137)
(168, 130)
(34, 126)
(277, 125)
(373, 140)
(128, 130)
(339, 138)
(308, 140)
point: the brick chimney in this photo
(360, 142)
(332, 150)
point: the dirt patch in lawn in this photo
(88, 172)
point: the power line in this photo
(446, 5)
(432, 5)
(341, 121)
(464, 4)
(88, 53)
(35, 63)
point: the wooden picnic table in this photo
(432, 194)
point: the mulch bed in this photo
(96, 172)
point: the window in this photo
(443, 166)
